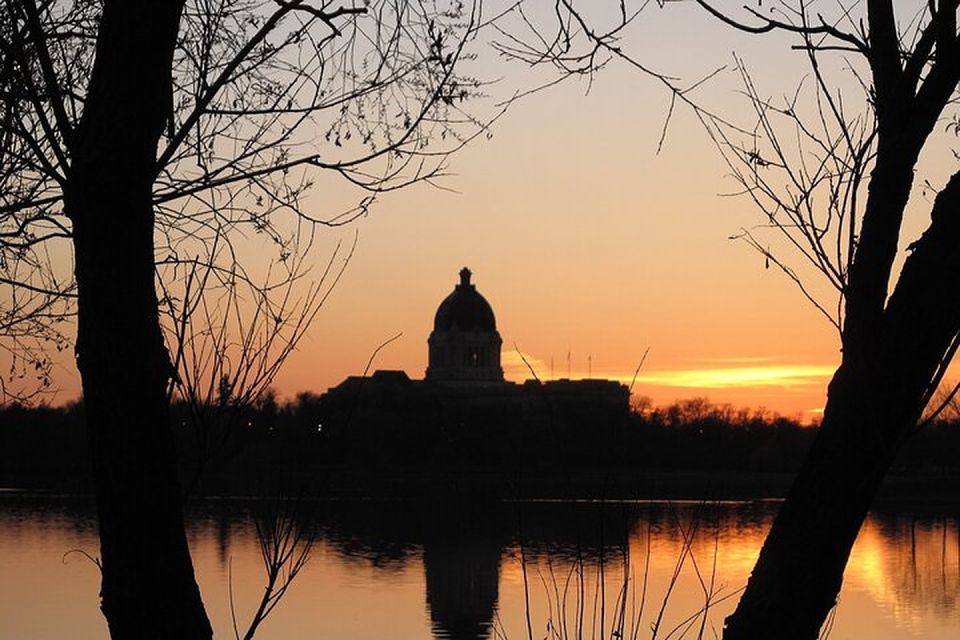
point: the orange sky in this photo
(585, 240)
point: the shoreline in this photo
(595, 485)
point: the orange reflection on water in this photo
(902, 580)
(911, 567)
(398, 570)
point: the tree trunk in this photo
(148, 587)
(798, 575)
(873, 403)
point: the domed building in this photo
(464, 389)
(464, 345)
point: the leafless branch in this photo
(269, 97)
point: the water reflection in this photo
(911, 564)
(907, 563)
(463, 568)
(461, 560)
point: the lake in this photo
(468, 569)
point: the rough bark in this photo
(148, 587)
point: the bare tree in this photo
(139, 139)
(832, 177)
(232, 333)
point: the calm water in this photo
(455, 569)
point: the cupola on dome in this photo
(464, 344)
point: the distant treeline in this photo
(47, 447)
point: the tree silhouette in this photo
(834, 181)
(143, 139)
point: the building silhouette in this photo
(464, 363)
(464, 411)
(464, 346)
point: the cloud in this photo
(515, 369)
(786, 375)
(743, 373)
(737, 360)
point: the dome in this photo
(464, 346)
(465, 309)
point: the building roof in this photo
(465, 309)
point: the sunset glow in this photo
(754, 372)
(480, 320)
(742, 377)
(586, 239)
(757, 376)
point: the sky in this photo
(587, 241)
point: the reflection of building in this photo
(464, 344)
(461, 559)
